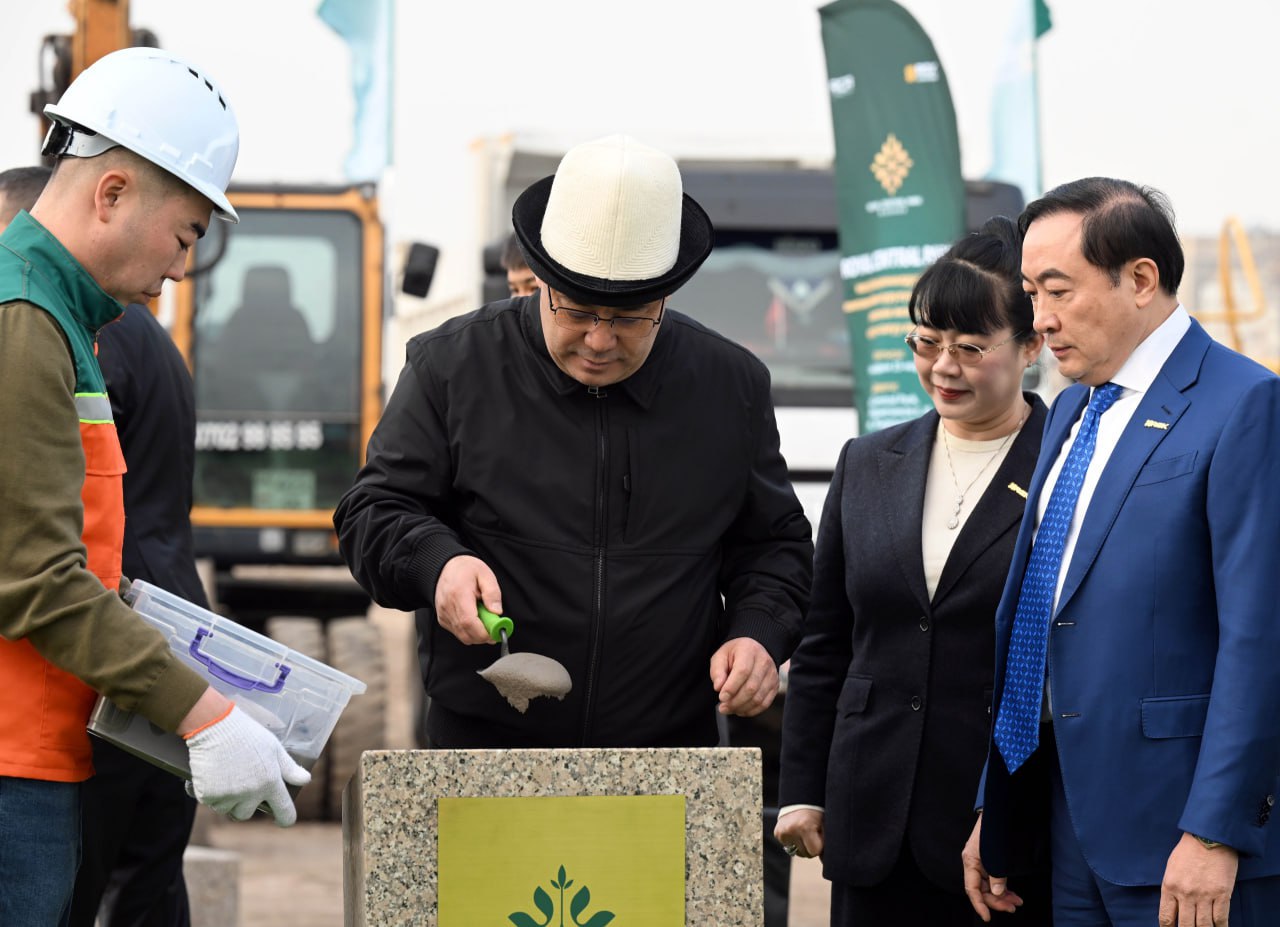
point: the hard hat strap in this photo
(72, 141)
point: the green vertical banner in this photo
(898, 188)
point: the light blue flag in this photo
(1015, 119)
(366, 25)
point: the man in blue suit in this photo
(1138, 635)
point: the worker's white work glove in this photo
(237, 764)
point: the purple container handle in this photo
(235, 679)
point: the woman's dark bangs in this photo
(955, 297)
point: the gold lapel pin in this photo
(1014, 487)
(1152, 423)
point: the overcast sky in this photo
(1132, 88)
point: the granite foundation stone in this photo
(389, 819)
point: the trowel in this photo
(519, 677)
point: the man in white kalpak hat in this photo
(600, 467)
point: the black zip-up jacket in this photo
(633, 528)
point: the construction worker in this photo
(135, 817)
(144, 145)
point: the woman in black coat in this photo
(888, 698)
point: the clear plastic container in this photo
(295, 697)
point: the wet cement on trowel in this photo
(524, 676)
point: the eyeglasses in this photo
(964, 353)
(623, 326)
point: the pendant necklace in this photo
(954, 521)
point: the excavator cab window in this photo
(276, 362)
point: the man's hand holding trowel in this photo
(474, 604)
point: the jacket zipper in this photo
(597, 617)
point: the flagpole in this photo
(1041, 21)
(1035, 99)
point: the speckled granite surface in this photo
(389, 820)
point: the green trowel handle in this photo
(495, 624)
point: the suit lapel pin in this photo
(1152, 423)
(1014, 487)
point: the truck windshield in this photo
(276, 361)
(780, 296)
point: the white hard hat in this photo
(157, 106)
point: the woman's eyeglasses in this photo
(964, 353)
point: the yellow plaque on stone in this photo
(562, 861)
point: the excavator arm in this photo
(99, 28)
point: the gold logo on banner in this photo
(891, 164)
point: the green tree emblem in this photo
(577, 905)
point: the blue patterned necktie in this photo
(1017, 730)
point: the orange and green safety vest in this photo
(42, 706)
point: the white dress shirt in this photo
(1136, 377)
